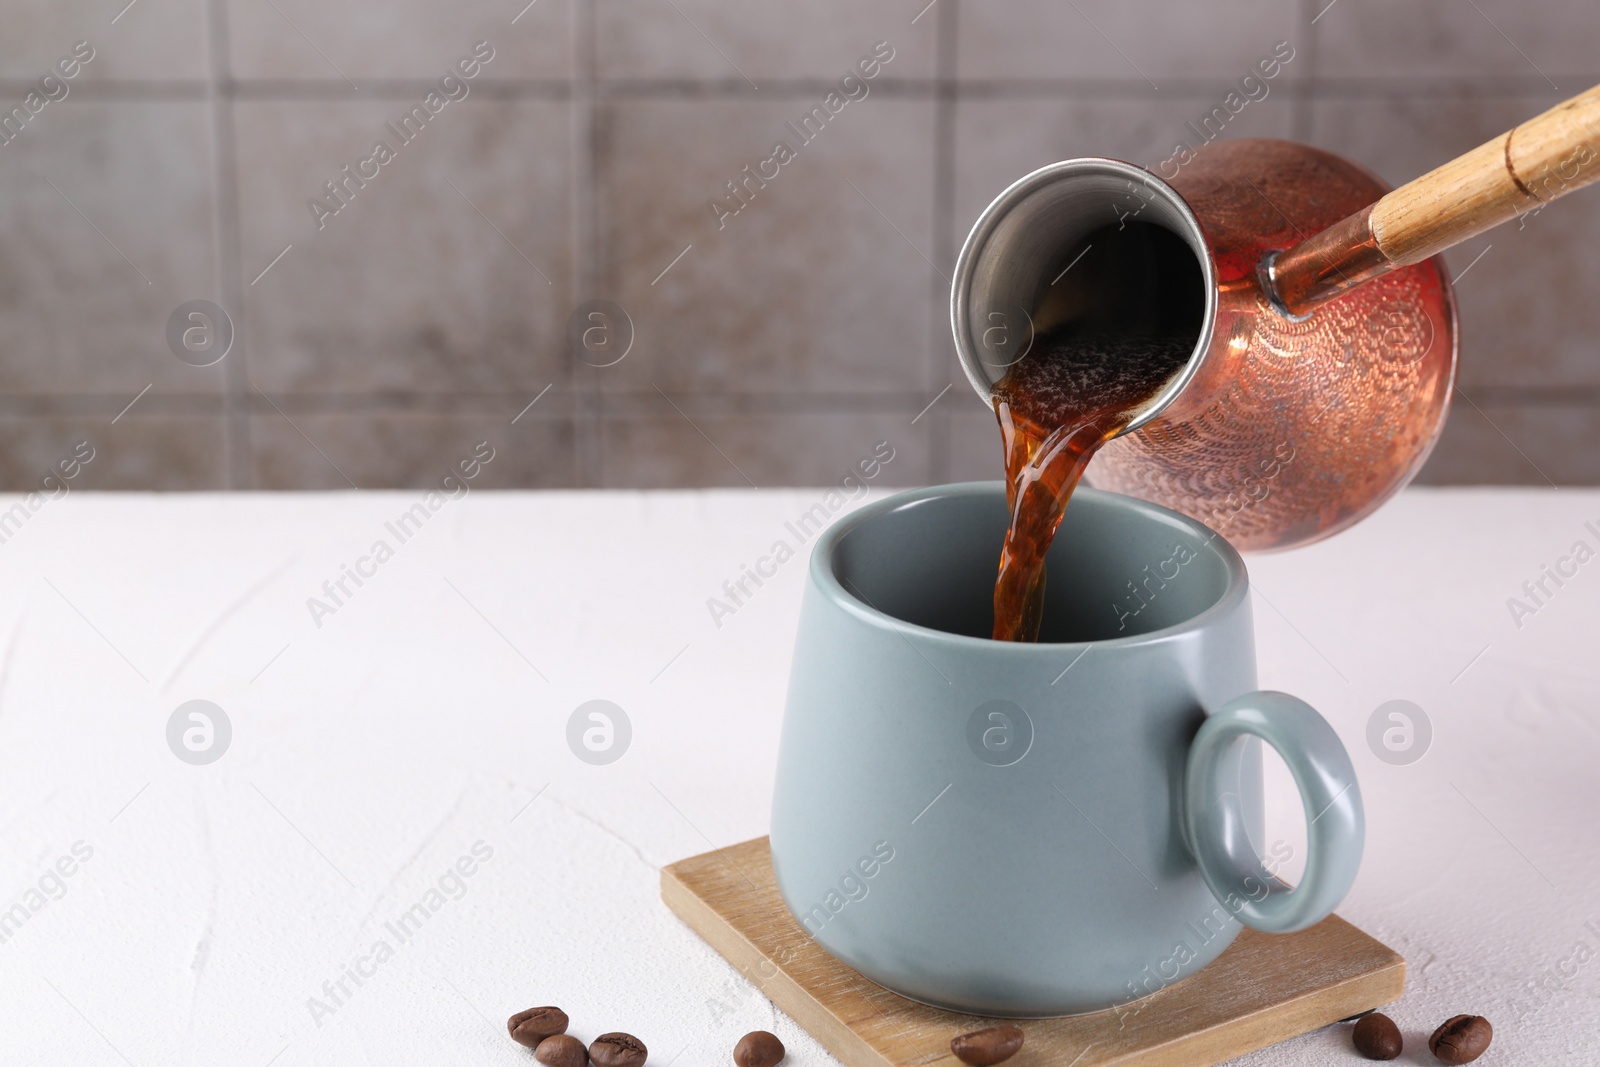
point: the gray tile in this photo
(669, 451)
(1527, 308)
(130, 179)
(707, 40)
(1403, 135)
(1528, 317)
(814, 285)
(975, 452)
(1114, 39)
(1516, 444)
(999, 141)
(144, 452)
(408, 287)
(1486, 38)
(401, 39)
(407, 450)
(143, 41)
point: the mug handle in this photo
(1214, 823)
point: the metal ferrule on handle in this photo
(1513, 175)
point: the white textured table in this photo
(425, 718)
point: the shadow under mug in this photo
(1031, 830)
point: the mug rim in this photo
(822, 577)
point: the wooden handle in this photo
(1544, 158)
(1515, 174)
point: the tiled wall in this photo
(774, 346)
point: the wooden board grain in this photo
(1263, 989)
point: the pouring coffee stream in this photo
(1264, 341)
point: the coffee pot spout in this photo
(1323, 320)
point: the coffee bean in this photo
(1462, 1039)
(534, 1025)
(561, 1050)
(983, 1047)
(617, 1050)
(758, 1048)
(1377, 1037)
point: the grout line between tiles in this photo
(1303, 90)
(1043, 89)
(513, 400)
(588, 452)
(225, 208)
(947, 41)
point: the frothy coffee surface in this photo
(1073, 391)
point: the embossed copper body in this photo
(1282, 429)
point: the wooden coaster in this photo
(1264, 989)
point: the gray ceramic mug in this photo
(1040, 829)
